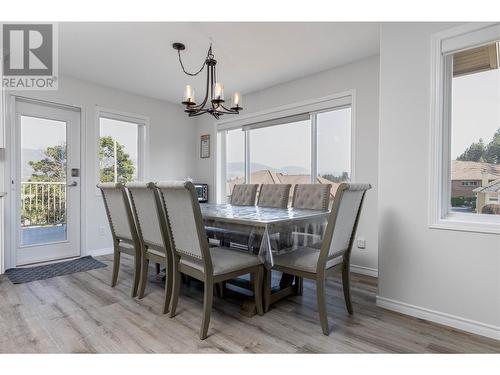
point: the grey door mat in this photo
(28, 274)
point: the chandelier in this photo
(213, 103)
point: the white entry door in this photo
(47, 182)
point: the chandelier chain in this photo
(209, 55)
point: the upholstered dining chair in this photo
(154, 241)
(192, 255)
(244, 194)
(123, 229)
(335, 251)
(311, 196)
(274, 195)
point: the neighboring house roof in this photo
(492, 187)
(472, 170)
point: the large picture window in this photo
(308, 148)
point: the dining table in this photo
(267, 232)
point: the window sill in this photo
(463, 223)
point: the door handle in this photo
(74, 183)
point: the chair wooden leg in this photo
(320, 291)
(158, 268)
(137, 275)
(346, 285)
(208, 297)
(116, 268)
(267, 289)
(168, 288)
(258, 276)
(176, 286)
(144, 276)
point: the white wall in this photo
(170, 152)
(362, 76)
(447, 276)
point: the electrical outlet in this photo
(361, 243)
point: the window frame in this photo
(142, 138)
(443, 45)
(313, 107)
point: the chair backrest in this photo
(274, 195)
(119, 211)
(311, 196)
(244, 194)
(342, 222)
(149, 228)
(185, 223)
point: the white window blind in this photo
(476, 60)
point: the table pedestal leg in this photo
(286, 280)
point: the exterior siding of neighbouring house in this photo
(488, 194)
(459, 190)
(481, 202)
(469, 175)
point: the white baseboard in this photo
(364, 270)
(454, 321)
(99, 252)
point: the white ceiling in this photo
(138, 57)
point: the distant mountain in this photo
(293, 169)
(236, 169)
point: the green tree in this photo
(478, 151)
(475, 152)
(492, 153)
(342, 178)
(52, 167)
(125, 166)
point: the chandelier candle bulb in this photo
(236, 100)
(219, 91)
(189, 95)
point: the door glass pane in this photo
(281, 154)
(118, 150)
(334, 146)
(235, 159)
(43, 181)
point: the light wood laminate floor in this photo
(81, 313)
